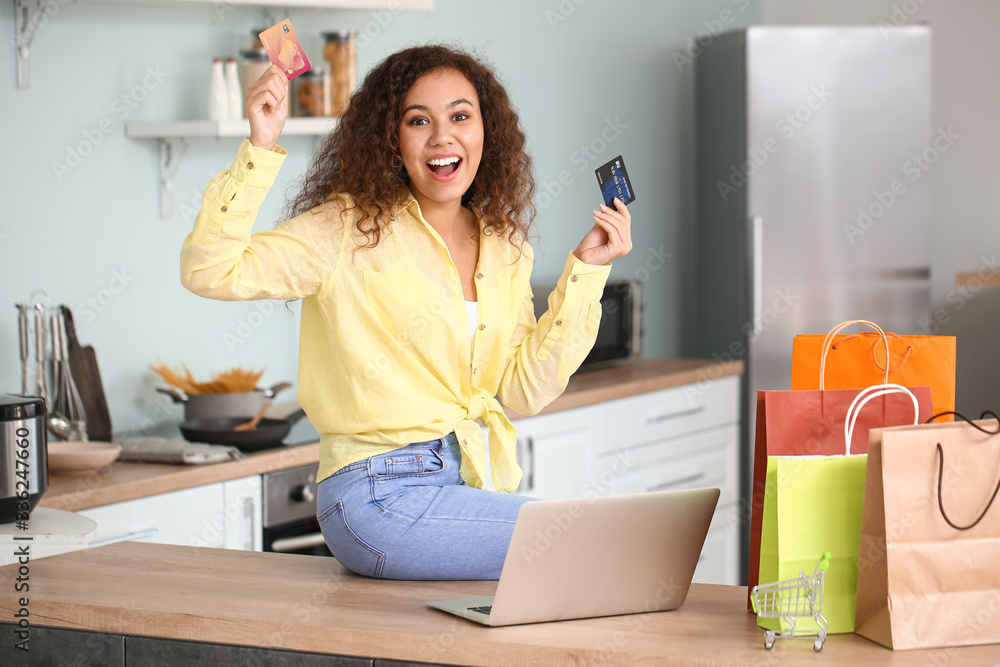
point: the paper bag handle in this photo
(888, 334)
(828, 342)
(940, 451)
(866, 395)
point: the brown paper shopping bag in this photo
(859, 360)
(929, 566)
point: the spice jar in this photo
(254, 63)
(341, 52)
(312, 93)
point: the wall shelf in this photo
(173, 137)
(29, 14)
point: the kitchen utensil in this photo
(87, 376)
(238, 404)
(252, 424)
(67, 400)
(22, 445)
(74, 457)
(40, 348)
(219, 431)
(22, 322)
(59, 424)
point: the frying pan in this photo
(219, 431)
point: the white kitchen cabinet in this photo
(224, 514)
(555, 452)
(679, 438)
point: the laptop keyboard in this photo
(482, 610)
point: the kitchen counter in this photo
(311, 604)
(128, 481)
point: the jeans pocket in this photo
(350, 550)
(400, 463)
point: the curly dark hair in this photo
(361, 156)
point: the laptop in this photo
(588, 557)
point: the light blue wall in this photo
(92, 237)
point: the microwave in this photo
(619, 336)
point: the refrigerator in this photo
(814, 151)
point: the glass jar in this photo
(341, 53)
(254, 62)
(312, 92)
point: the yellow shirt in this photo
(385, 356)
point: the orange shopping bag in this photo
(857, 360)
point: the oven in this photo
(289, 512)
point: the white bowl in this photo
(71, 458)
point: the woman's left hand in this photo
(609, 238)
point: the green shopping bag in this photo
(813, 504)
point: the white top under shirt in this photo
(472, 308)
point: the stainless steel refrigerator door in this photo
(838, 123)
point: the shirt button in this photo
(249, 165)
(558, 323)
(224, 209)
(573, 279)
(482, 326)
(465, 442)
(474, 370)
(479, 275)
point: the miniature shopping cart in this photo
(791, 599)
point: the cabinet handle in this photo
(531, 458)
(664, 416)
(248, 513)
(677, 482)
(755, 252)
(526, 456)
(299, 542)
(124, 538)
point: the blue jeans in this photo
(407, 514)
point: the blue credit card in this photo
(614, 181)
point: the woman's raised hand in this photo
(609, 238)
(266, 107)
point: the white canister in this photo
(255, 63)
(234, 91)
(218, 97)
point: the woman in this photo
(407, 247)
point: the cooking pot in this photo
(219, 431)
(238, 404)
(24, 471)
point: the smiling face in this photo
(441, 136)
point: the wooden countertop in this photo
(308, 603)
(638, 377)
(128, 481)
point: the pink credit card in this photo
(284, 49)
